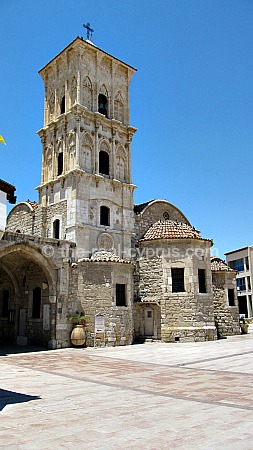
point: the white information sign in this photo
(99, 323)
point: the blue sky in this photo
(191, 99)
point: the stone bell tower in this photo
(86, 187)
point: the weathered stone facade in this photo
(188, 313)
(226, 313)
(86, 146)
(94, 284)
(85, 246)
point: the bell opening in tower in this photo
(102, 105)
(60, 164)
(63, 105)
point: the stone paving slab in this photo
(158, 396)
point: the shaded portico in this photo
(27, 295)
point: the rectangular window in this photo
(241, 286)
(231, 297)
(104, 216)
(247, 262)
(177, 280)
(249, 283)
(237, 265)
(202, 281)
(120, 295)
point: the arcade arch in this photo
(24, 272)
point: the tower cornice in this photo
(80, 44)
(82, 112)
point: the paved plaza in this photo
(149, 396)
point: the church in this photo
(85, 246)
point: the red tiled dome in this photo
(218, 265)
(170, 229)
(34, 205)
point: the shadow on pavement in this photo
(9, 349)
(10, 397)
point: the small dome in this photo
(218, 265)
(170, 229)
(104, 256)
(34, 205)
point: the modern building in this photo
(144, 269)
(241, 260)
(7, 191)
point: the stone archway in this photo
(27, 296)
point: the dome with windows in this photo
(170, 229)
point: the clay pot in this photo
(244, 328)
(78, 335)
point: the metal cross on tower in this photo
(89, 30)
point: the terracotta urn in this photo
(244, 328)
(78, 335)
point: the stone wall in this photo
(21, 219)
(185, 316)
(226, 317)
(37, 222)
(53, 212)
(93, 290)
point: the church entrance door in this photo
(149, 322)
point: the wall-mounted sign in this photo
(99, 323)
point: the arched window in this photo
(5, 304)
(56, 229)
(103, 162)
(60, 163)
(63, 105)
(104, 216)
(36, 303)
(102, 104)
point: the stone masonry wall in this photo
(38, 222)
(93, 290)
(21, 219)
(56, 211)
(226, 317)
(185, 316)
